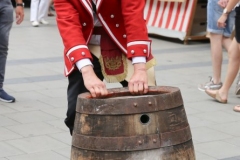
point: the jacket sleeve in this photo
(138, 43)
(70, 28)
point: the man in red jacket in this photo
(101, 37)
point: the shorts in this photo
(214, 11)
(237, 24)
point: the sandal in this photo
(236, 108)
(216, 96)
(50, 14)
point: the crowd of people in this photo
(85, 49)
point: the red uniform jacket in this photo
(123, 20)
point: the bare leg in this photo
(226, 45)
(233, 66)
(216, 54)
(226, 41)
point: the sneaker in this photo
(35, 23)
(5, 97)
(210, 85)
(43, 21)
(237, 91)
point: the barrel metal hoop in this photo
(175, 137)
(163, 98)
(132, 143)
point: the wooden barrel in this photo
(126, 127)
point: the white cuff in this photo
(83, 62)
(138, 60)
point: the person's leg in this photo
(237, 35)
(34, 10)
(237, 90)
(76, 87)
(42, 11)
(34, 13)
(6, 20)
(50, 14)
(226, 41)
(214, 11)
(221, 95)
(216, 55)
(233, 66)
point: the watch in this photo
(20, 4)
(225, 11)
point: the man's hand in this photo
(138, 84)
(223, 3)
(96, 87)
(19, 14)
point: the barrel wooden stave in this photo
(112, 131)
(130, 125)
(184, 151)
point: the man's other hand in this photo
(138, 84)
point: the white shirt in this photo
(95, 39)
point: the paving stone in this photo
(57, 112)
(218, 149)
(218, 116)
(36, 144)
(5, 121)
(6, 134)
(49, 155)
(198, 121)
(232, 158)
(8, 150)
(234, 141)
(64, 151)
(59, 124)
(31, 116)
(34, 129)
(5, 110)
(205, 134)
(31, 105)
(229, 128)
(57, 92)
(57, 102)
(200, 156)
(62, 137)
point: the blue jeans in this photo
(214, 11)
(6, 20)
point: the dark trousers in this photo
(6, 20)
(237, 24)
(76, 87)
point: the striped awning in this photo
(170, 16)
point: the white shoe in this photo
(35, 24)
(43, 21)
